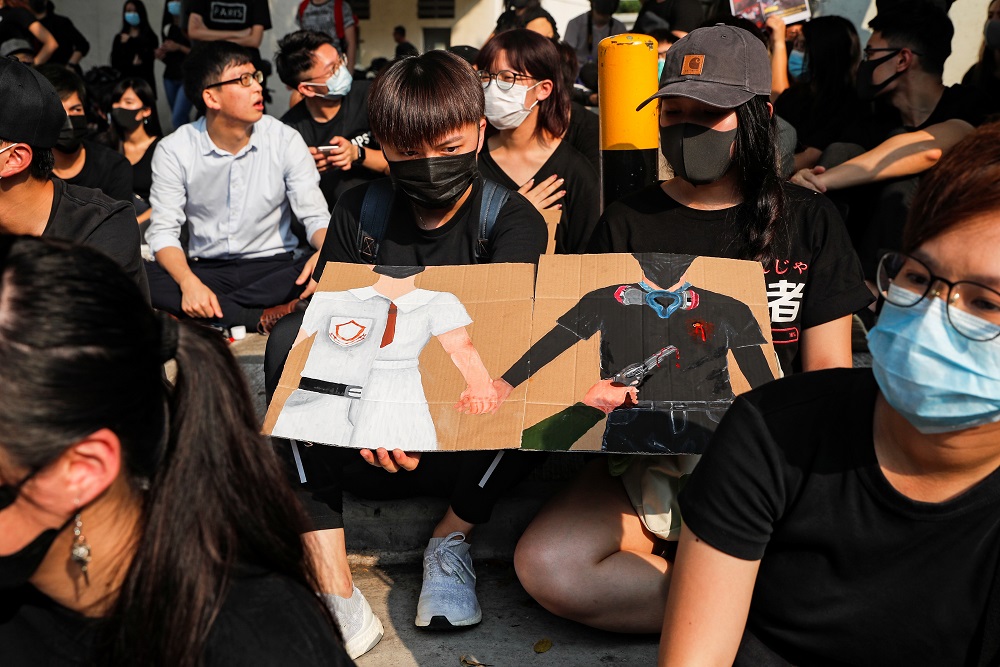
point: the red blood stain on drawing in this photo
(700, 330)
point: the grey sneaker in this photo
(360, 627)
(448, 596)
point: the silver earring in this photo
(80, 551)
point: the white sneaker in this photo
(360, 627)
(448, 596)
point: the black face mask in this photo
(72, 134)
(17, 568)
(435, 182)
(698, 154)
(867, 90)
(992, 34)
(125, 118)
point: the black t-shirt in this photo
(105, 170)
(518, 235)
(584, 134)
(69, 38)
(853, 572)
(816, 281)
(142, 172)
(232, 15)
(987, 87)
(265, 620)
(581, 205)
(134, 57)
(173, 62)
(818, 125)
(88, 217)
(351, 122)
(961, 102)
(674, 15)
(15, 23)
(509, 20)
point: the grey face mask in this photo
(698, 154)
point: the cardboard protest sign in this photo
(365, 373)
(609, 353)
(758, 11)
(608, 331)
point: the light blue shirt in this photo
(237, 206)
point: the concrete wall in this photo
(100, 21)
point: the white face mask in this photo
(505, 108)
(337, 86)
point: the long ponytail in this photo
(762, 227)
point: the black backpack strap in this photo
(494, 197)
(374, 220)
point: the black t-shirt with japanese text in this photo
(351, 122)
(816, 280)
(580, 206)
(852, 571)
(519, 234)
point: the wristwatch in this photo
(361, 155)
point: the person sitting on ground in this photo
(134, 131)
(984, 76)
(333, 114)
(234, 177)
(849, 517)
(527, 15)
(140, 523)
(586, 31)
(17, 22)
(78, 159)
(823, 101)
(32, 201)
(527, 101)
(615, 526)
(917, 119)
(427, 114)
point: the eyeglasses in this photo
(973, 309)
(246, 80)
(505, 78)
(868, 51)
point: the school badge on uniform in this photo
(347, 331)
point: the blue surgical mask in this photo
(797, 63)
(174, 7)
(132, 18)
(338, 85)
(938, 379)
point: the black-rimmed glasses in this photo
(973, 309)
(505, 78)
(246, 80)
(868, 51)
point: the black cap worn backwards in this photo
(31, 112)
(721, 66)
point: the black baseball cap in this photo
(32, 111)
(722, 66)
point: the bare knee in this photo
(551, 572)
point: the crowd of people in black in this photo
(840, 516)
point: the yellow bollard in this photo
(630, 139)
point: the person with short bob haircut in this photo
(427, 114)
(849, 516)
(141, 522)
(528, 102)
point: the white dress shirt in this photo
(237, 206)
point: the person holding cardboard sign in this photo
(726, 199)
(859, 507)
(427, 114)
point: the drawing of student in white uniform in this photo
(361, 384)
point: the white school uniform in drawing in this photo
(392, 411)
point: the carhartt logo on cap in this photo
(693, 65)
